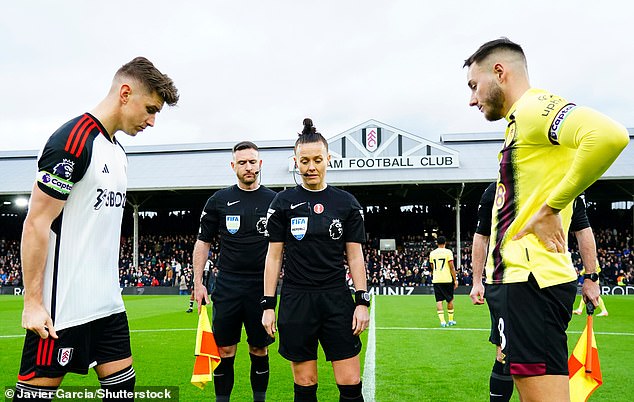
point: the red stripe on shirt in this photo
(78, 136)
(72, 133)
(84, 138)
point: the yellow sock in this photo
(602, 305)
(450, 315)
(441, 316)
(581, 304)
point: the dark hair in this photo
(441, 240)
(142, 70)
(492, 46)
(309, 135)
(244, 145)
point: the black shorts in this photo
(443, 291)
(530, 326)
(308, 317)
(77, 348)
(236, 301)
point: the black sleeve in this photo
(275, 222)
(354, 228)
(209, 221)
(579, 217)
(58, 168)
(485, 211)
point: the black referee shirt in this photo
(239, 217)
(315, 227)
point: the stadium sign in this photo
(374, 145)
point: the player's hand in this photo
(546, 225)
(268, 322)
(200, 294)
(455, 284)
(360, 320)
(35, 318)
(590, 291)
(477, 293)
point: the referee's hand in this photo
(360, 320)
(268, 322)
(200, 295)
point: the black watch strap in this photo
(593, 276)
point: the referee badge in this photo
(299, 226)
(64, 355)
(233, 223)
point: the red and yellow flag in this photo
(583, 366)
(206, 352)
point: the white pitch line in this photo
(131, 331)
(369, 367)
(486, 330)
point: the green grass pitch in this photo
(415, 359)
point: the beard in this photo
(495, 103)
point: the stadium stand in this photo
(164, 258)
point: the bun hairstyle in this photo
(309, 134)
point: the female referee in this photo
(321, 226)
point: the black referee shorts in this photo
(530, 325)
(307, 317)
(236, 301)
(77, 348)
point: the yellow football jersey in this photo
(440, 259)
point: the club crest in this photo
(64, 355)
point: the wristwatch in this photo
(594, 277)
(362, 298)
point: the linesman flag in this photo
(583, 365)
(206, 352)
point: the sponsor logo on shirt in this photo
(293, 206)
(54, 182)
(299, 226)
(230, 203)
(110, 199)
(233, 223)
(318, 208)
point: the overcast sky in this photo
(254, 69)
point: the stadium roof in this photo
(406, 168)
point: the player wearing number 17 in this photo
(444, 280)
(553, 151)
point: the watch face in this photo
(366, 296)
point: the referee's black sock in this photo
(119, 386)
(500, 384)
(350, 393)
(223, 379)
(28, 392)
(259, 376)
(305, 393)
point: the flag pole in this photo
(590, 311)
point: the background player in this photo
(73, 309)
(317, 226)
(444, 280)
(238, 215)
(553, 151)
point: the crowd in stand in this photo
(167, 261)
